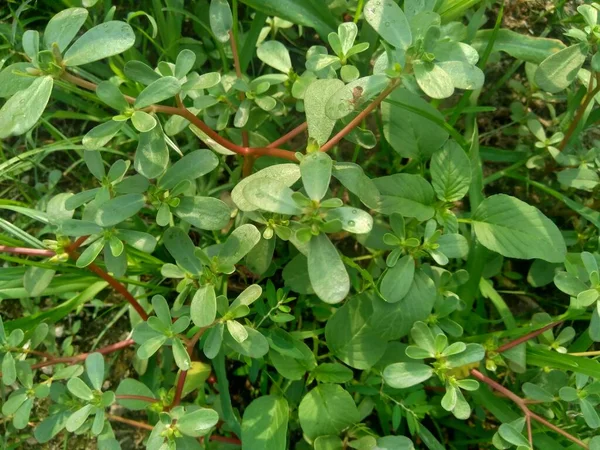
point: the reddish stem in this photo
(183, 374)
(26, 251)
(78, 243)
(142, 398)
(147, 426)
(120, 288)
(133, 423)
(527, 337)
(589, 96)
(291, 135)
(523, 406)
(93, 267)
(82, 356)
(359, 118)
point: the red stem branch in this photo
(120, 288)
(82, 356)
(183, 374)
(142, 398)
(523, 406)
(527, 337)
(133, 423)
(359, 118)
(26, 251)
(589, 96)
(288, 136)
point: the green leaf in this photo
(310, 13)
(180, 354)
(463, 75)
(94, 367)
(214, 338)
(9, 369)
(130, 386)
(63, 27)
(198, 422)
(353, 220)
(315, 98)
(181, 247)
(143, 122)
(221, 20)
(238, 244)
(559, 70)
(159, 90)
(434, 80)
(14, 402)
(78, 418)
(118, 209)
(327, 410)
(203, 308)
(524, 47)
(237, 331)
(102, 41)
(276, 55)
(51, 426)
(101, 135)
(270, 195)
(248, 296)
(590, 413)
(352, 96)
(396, 443)
(397, 281)
(184, 63)
(31, 45)
(192, 166)
(79, 389)
(90, 254)
(37, 279)
(140, 72)
(315, 169)
(152, 154)
(326, 270)
(352, 336)
(14, 79)
(404, 375)
(333, 373)
(453, 245)
(254, 346)
(22, 111)
(406, 194)
(265, 424)
(206, 213)
(286, 174)
(472, 354)
(151, 346)
(394, 320)
(354, 179)
(110, 94)
(328, 443)
(95, 164)
(509, 433)
(74, 227)
(513, 228)
(579, 178)
(450, 172)
(412, 135)
(386, 17)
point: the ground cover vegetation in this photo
(273, 224)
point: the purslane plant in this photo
(346, 301)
